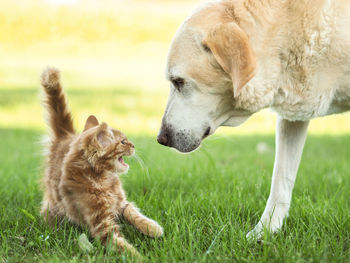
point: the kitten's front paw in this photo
(154, 229)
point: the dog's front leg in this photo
(290, 140)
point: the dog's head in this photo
(209, 62)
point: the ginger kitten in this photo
(81, 177)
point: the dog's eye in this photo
(123, 142)
(206, 48)
(178, 83)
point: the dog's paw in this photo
(256, 234)
(272, 226)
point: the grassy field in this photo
(112, 59)
(206, 202)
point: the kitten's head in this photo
(105, 147)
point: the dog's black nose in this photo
(163, 136)
(163, 139)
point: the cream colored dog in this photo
(231, 59)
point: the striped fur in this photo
(60, 119)
(81, 179)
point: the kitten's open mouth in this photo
(121, 160)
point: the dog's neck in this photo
(256, 18)
(267, 33)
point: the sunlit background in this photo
(112, 55)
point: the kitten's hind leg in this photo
(125, 246)
(103, 226)
(51, 214)
(144, 224)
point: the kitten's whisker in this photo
(142, 164)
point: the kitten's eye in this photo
(123, 142)
(178, 83)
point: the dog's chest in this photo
(314, 95)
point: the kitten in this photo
(81, 177)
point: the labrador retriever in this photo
(230, 59)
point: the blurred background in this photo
(112, 55)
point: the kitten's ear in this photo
(102, 136)
(91, 122)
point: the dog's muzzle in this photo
(182, 140)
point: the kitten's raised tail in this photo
(60, 118)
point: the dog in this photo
(230, 59)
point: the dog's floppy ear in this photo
(231, 48)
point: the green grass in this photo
(206, 201)
(112, 58)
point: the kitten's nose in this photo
(163, 137)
